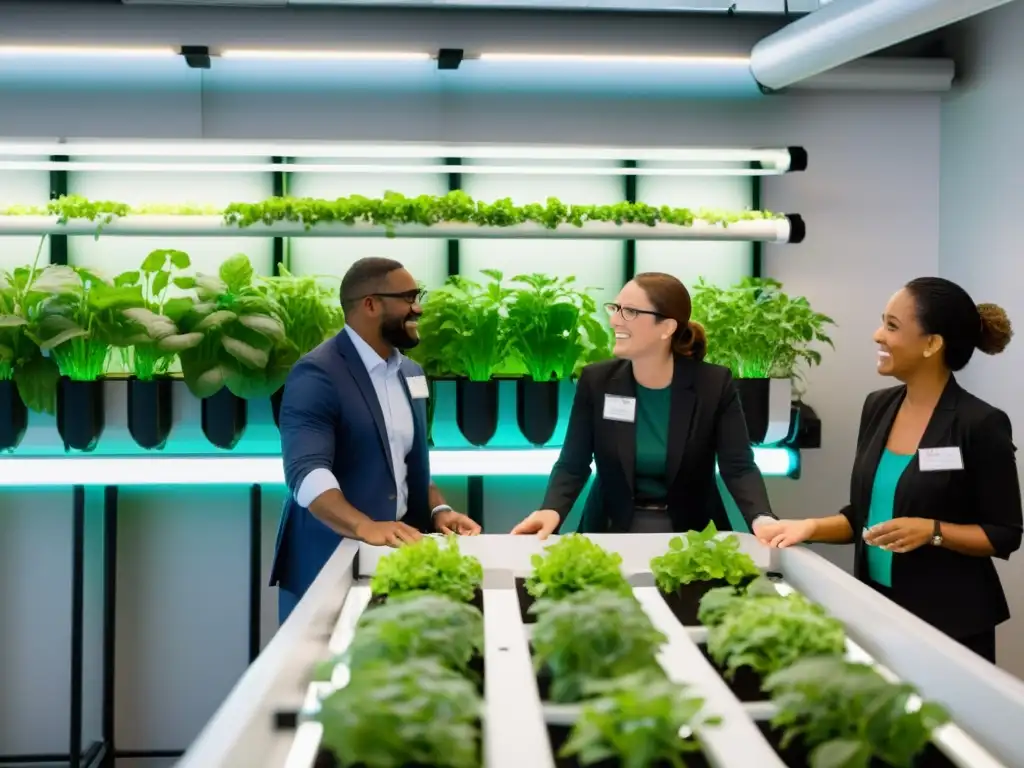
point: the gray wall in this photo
(981, 202)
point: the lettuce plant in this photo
(309, 311)
(702, 556)
(592, 635)
(426, 566)
(574, 563)
(414, 626)
(718, 603)
(849, 716)
(638, 721)
(767, 634)
(397, 715)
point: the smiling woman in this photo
(934, 493)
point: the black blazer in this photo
(959, 594)
(706, 422)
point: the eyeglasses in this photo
(629, 313)
(415, 296)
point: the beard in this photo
(394, 332)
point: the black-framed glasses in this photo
(415, 296)
(629, 313)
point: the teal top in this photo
(883, 494)
(652, 417)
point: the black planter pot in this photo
(537, 409)
(754, 397)
(476, 409)
(275, 406)
(80, 413)
(685, 601)
(149, 411)
(13, 416)
(225, 417)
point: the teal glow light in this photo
(267, 470)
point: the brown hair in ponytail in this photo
(670, 299)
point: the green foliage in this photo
(574, 563)
(395, 715)
(767, 634)
(244, 346)
(847, 714)
(718, 603)
(756, 330)
(592, 635)
(415, 626)
(426, 566)
(309, 311)
(159, 341)
(636, 720)
(552, 328)
(702, 556)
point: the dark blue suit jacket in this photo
(331, 419)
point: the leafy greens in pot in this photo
(426, 566)
(574, 563)
(592, 635)
(637, 720)
(310, 312)
(396, 715)
(702, 556)
(718, 603)
(847, 714)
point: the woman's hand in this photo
(785, 533)
(542, 522)
(901, 534)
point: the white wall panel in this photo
(23, 188)
(426, 259)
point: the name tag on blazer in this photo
(940, 459)
(418, 389)
(618, 408)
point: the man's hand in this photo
(784, 533)
(450, 521)
(390, 534)
(901, 534)
(542, 522)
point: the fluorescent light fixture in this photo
(300, 55)
(117, 166)
(86, 51)
(65, 471)
(600, 58)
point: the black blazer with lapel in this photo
(959, 594)
(706, 423)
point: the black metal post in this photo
(58, 188)
(109, 620)
(255, 568)
(757, 258)
(77, 617)
(475, 498)
(629, 246)
(280, 189)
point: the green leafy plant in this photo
(426, 566)
(637, 720)
(244, 346)
(592, 635)
(847, 714)
(20, 357)
(756, 330)
(397, 715)
(574, 563)
(414, 626)
(702, 556)
(552, 328)
(309, 311)
(155, 348)
(80, 319)
(719, 602)
(767, 634)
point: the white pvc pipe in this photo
(845, 30)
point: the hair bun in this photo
(996, 329)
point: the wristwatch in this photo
(937, 535)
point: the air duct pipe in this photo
(845, 30)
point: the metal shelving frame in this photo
(264, 721)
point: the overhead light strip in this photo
(86, 51)
(589, 58)
(301, 55)
(65, 471)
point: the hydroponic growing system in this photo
(275, 718)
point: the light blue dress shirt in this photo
(398, 423)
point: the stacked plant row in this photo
(411, 678)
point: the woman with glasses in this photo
(654, 420)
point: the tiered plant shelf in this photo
(525, 720)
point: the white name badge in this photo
(418, 389)
(619, 408)
(940, 459)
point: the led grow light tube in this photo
(87, 51)
(50, 472)
(326, 55)
(592, 58)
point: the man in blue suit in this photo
(354, 435)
